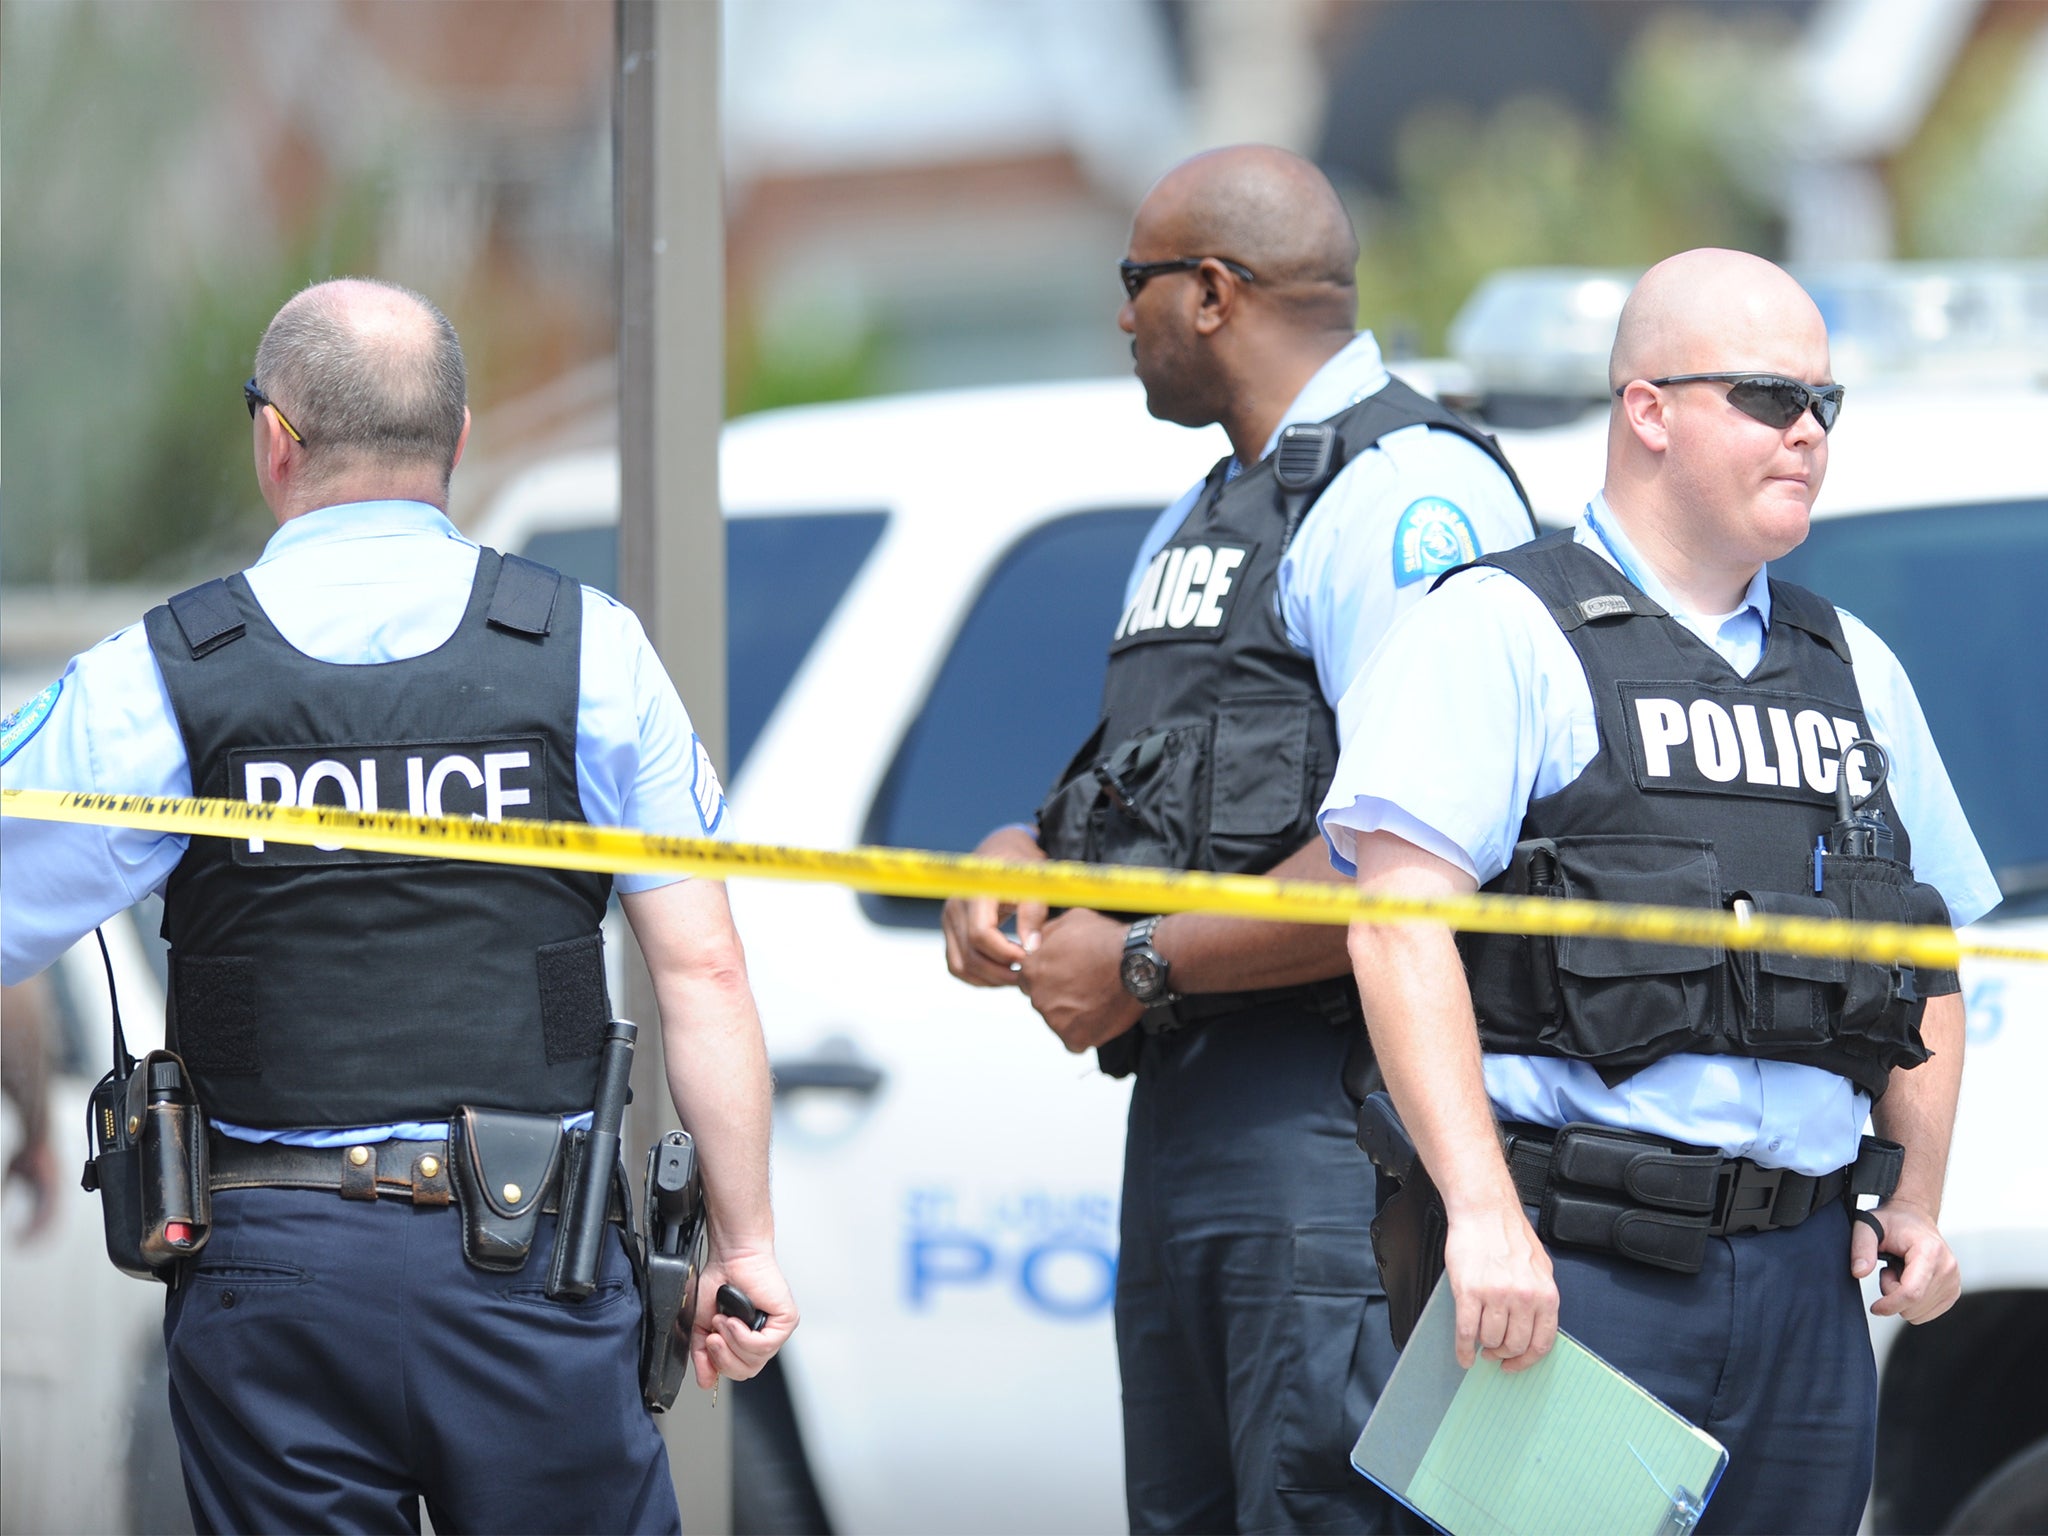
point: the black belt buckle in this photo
(1747, 1199)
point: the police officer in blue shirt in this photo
(1636, 711)
(1249, 1325)
(333, 1358)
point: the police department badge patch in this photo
(18, 727)
(704, 785)
(1432, 537)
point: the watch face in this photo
(1144, 976)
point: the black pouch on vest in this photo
(505, 1163)
(1884, 1002)
(149, 1164)
(1784, 999)
(1408, 1224)
(1626, 1000)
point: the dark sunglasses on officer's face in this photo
(255, 399)
(1136, 274)
(1770, 398)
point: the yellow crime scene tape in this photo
(908, 872)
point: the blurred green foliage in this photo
(1536, 184)
(124, 430)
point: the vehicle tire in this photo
(773, 1493)
(2012, 1501)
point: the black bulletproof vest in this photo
(325, 987)
(1708, 789)
(1215, 746)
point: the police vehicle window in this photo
(1018, 692)
(783, 577)
(1955, 592)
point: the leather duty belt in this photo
(1658, 1202)
(406, 1170)
(1336, 999)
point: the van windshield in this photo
(1957, 593)
(784, 576)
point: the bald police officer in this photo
(1641, 713)
(1249, 1322)
(333, 1358)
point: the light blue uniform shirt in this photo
(1400, 514)
(1477, 704)
(354, 585)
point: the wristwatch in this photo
(1144, 968)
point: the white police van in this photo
(920, 592)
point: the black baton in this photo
(593, 1190)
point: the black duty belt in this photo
(1335, 999)
(1658, 1201)
(407, 1170)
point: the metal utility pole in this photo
(669, 233)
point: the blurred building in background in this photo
(920, 192)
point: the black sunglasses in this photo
(255, 399)
(1770, 398)
(1136, 274)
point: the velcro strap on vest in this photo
(207, 617)
(525, 600)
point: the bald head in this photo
(1710, 311)
(1264, 207)
(370, 373)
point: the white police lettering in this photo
(1713, 741)
(327, 771)
(1774, 747)
(1184, 590)
(496, 795)
(437, 781)
(1193, 572)
(508, 775)
(1816, 734)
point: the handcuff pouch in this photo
(505, 1163)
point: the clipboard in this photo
(1569, 1445)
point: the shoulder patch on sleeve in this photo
(1432, 536)
(18, 727)
(705, 787)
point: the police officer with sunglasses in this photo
(356, 1335)
(1250, 1328)
(1660, 1149)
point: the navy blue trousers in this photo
(1251, 1328)
(333, 1362)
(1766, 1349)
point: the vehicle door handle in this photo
(840, 1071)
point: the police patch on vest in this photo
(483, 780)
(1432, 537)
(24, 722)
(1740, 741)
(1186, 594)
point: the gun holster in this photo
(149, 1164)
(505, 1163)
(1409, 1225)
(676, 1242)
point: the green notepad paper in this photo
(1569, 1445)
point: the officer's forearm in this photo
(1234, 954)
(1418, 1009)
(716, 1060)
(1918, 1109)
